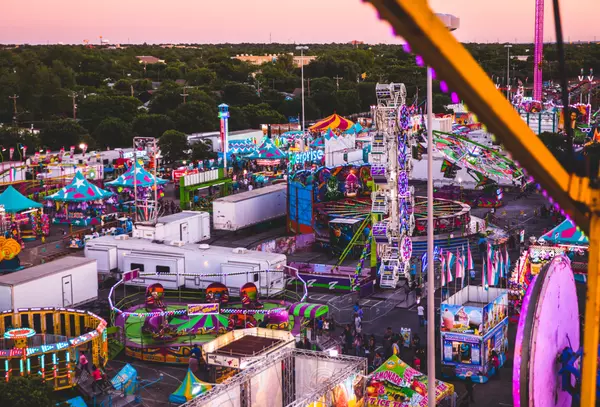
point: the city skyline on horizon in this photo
(37, 22)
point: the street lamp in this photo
(452, 23)
(83, 148)
(508, 47)
(302, 48)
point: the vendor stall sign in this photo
(203, 309)
(460, 338)
(177, 174)
(312, 156)
(463, 319)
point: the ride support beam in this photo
(427, 35)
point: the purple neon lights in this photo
(554, 325)
(516, 384)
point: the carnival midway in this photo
(296, 269)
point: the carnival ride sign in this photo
(225, 361)
(203, 309)
(312, 156)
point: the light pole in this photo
(590, 79)
(452, 23)
(302, 48)
(508, 47)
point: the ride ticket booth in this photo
(474, 325)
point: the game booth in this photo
(474, 326)
(565, 238)
(396, 384)
(80, 203)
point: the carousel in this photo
(80, 203)
(135, 178)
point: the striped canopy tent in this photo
(79, 190)
(307, 310)
(267, 151)
(190, 388)
(567, 233)
(142, 178)
(333, 122)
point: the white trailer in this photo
(66, 282)
(176, 265)
(186, 226)
(249, 208)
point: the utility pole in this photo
(508, 47)
(337, 81)
(74, 97)
(14, 99)
(184, 94)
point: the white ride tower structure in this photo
(393, 199)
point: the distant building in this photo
(522, 58)
(261, 59)
(149, 60)
(356, 43)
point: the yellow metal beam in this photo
(416, 22)
(429, 37)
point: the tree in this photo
(151, 125)
(28, 391)
(62, 133)
(12, 137)
(174, 146)
(262, 114)
(200, 76)
(194, 117)
(203, 150)
(94, 109)
(113, 132)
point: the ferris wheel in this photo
(392, 198)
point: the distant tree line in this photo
(116, 97)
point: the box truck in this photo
(176, 265)
(249, 208)
(66, 282)
(186, 226)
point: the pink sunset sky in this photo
(285, 21)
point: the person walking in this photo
(83, 363)
(193, 364)
(421, 313)
(357, 323)
(395, 348)
(97, 378)
(387, 342)
(469, 387)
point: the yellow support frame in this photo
(427, 35)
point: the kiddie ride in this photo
(163, 332)
(159, 325)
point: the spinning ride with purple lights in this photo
(547, 360)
